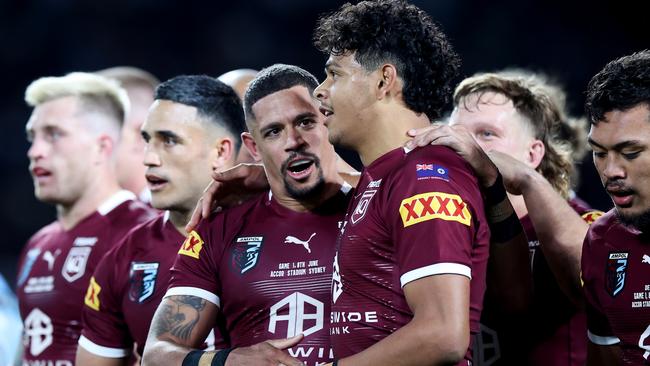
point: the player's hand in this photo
(229, 187)
(515, 174)
(271, 353)
(461, 141)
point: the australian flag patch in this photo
(431, 171)
(142, 278)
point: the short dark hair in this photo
(399, 33)
(273, 79)
(620, 85)
(213, 100)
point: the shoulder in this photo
(599, 229)
(53, 228)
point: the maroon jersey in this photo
(54, 271)
(128, 284)
(555, 330)
(616, 277)
(269, 269)
(415, 214)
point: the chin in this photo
(637, 220)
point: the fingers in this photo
(239, 171)
(286, 342)
(196, 217)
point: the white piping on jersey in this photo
(193, 291)
(166, 216)
(602, 341)
(435, 269)
(108, 352)
(407, 150)
(115, 200)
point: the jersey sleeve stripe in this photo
(602, 341)
(102, 351)
(193, 291)
(435, 269)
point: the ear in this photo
(225, 150)
(105, 146)
(387, 82)
(536, 153)
(249, 142)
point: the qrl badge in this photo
(615, 273)
(142, 278)
(362, 207)
(246, 252)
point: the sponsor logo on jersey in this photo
(142, 277)
(74, 266)
(362, 207)
(192, 245)
(38, 331)
(245, 253)
(30, 258)
(434, 205)
(431, 171)
(646, 259)
(293, 310)
(374, 184)
(39, 284)
(337, 283)
(305, 243)
(50, 258)
(592, 216)
(92, 295)
(615, 272)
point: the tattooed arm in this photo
(181, 324)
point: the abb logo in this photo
(38, 331)
(434, 205)
(293, 312)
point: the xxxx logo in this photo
(434, 205)
(592, 216)
(92, 295)
(192, 245)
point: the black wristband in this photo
(221, 356)
(192, 358)
(495, 193)
(506, 230)
(335, 363)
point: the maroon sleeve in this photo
(599, 330)
(431, 216)
(196, 266)
(105, 332)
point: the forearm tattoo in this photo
(178, 316)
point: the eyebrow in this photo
(330, 64)
(619, 146)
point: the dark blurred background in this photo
(569, 40)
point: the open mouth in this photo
(621, 198)
(326, 111)
(40, 174)
(300, 168)
(155, 182)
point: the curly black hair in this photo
(622, 84)
(399, 33)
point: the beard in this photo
(308, 192)
(640, 222)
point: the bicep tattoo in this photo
(178, 316)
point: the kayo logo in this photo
(293, 240)
(434, 205)
(292, 309)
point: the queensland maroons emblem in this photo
(246, 252)
(362, 206)
(142, 280)
(615, 273)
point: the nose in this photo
(36, 150)
(613, 168)
(151, 158)
(294, 140)
(321, 92)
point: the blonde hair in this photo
(101, 93)
(542, 104)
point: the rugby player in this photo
(410, 270)
(73, 131)
(265, 265)
(517, 114)
(139, 85)
(616, 255)
(193, 125)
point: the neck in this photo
(70, 215)
(389, 132)
(179, 219)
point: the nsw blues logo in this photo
(615, 273)
(142, 278)
(246, 252)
